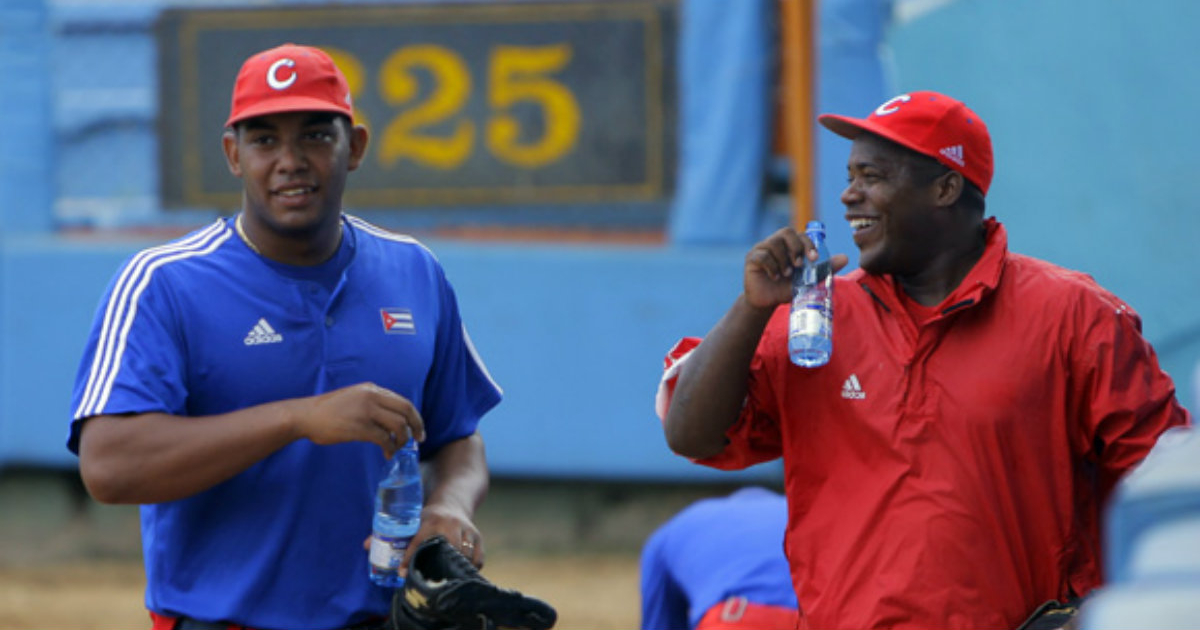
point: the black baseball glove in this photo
(1054, 615)
(444, 591)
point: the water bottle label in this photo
(809, 320)
(387, 551)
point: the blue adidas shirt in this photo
(203, 325)
(712, 550)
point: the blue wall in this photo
(1091, 108)
(575, 333)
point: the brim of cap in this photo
(852, 128)
(289, 104)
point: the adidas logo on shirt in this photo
(954, 154)
(262, 333)
(852, 390)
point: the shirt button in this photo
(329, 320)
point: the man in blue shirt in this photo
(719, 565)
(246, 383)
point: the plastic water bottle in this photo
(810, 325)
(398, 502)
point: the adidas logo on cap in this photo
(954, 154)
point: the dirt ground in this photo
(68, 563)
(593, 592)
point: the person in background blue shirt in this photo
(719, 564)
(246, 383)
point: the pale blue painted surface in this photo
(576, 334)
(1091, 109)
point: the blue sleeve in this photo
(664, 604)
(459, 389)
(132, 362)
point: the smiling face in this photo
(891, 203)
(293, 168)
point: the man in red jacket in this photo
(947, 467)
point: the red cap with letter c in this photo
(289, 78)
(931, 124)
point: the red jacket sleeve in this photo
(754, 438)
(1126, 400)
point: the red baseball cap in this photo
(289, 78)
(931, 124)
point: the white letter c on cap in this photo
(274, 81)
(891, 105)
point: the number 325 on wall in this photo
(516, 74)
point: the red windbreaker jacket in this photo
(951, 475)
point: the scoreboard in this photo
(468, 104)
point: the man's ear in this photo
(229, 142)
(949, 188)
(358, 145)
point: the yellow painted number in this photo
(405, 136)
(519, 74)
(430, 131)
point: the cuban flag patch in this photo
(398, 321)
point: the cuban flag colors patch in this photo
(398, 321)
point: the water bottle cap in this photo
(815, 226)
